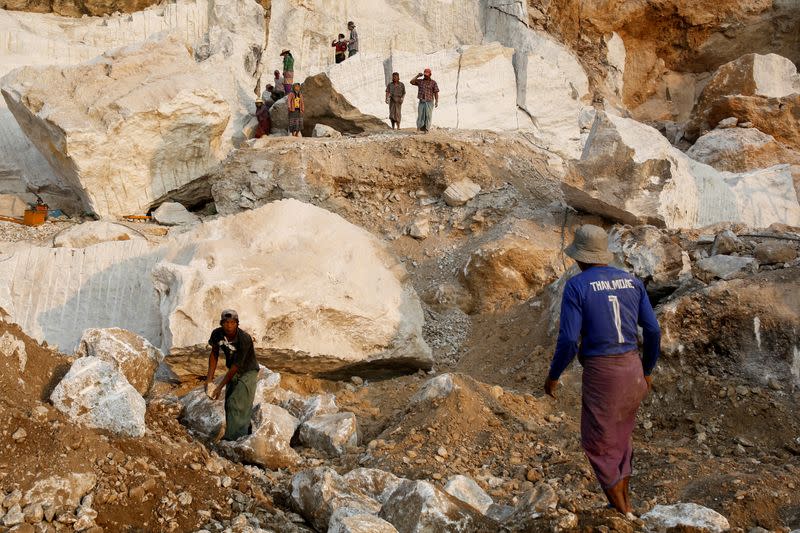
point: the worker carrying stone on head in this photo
(428, 96)
(240, 380)
(601, 309)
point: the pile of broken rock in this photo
(279, 416)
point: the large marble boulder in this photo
(326, 103)
(202, 415)
(629, 172)
(316, 292)
(513, 268)
(131, 354)
(419, 506)
(332, 434)
(741, 150)
(319, 293)
(752, 75)
(95, 394)
(318, 493)
(269, 443)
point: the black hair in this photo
(341, 35)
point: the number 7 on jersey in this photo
(617, 318)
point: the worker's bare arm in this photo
(228, 377)
(212, 364)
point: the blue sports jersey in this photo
(602, 307)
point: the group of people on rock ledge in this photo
(602, 309)
(284, 86)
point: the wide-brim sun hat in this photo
(590, 246)
(285, 51)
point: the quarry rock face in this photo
(188, 93)
(465, 44)
(147, 94)
(552, 86)
(749, 322)
(76, 8)
(57, 293)
(383, 26)
(44, 40)
(461, 75)
(362, 311)
(630, 173)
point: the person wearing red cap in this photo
(428, 95)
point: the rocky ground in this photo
(720, 428)
(403, 288)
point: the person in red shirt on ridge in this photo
(341, 48)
